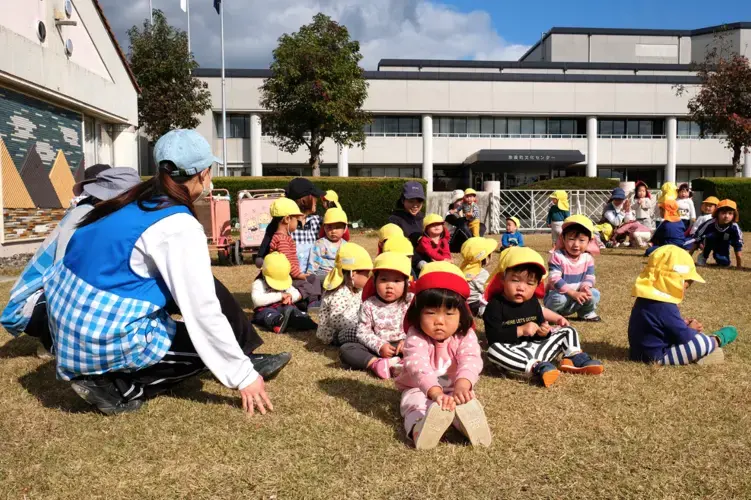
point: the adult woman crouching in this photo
(133, 260)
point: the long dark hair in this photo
(172, 190)
(263, 251)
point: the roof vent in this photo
(68, 47)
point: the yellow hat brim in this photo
(278, 284)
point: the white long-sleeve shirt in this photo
(686, 208)
(175, 248)
(263, 295)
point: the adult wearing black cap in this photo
(408, 215)
(306, 195)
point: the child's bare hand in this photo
(286, 299)
(562, 322)
(544, 329)
(387, 351)
(579, 297)
(446, 402)
(399, 348)
(463, 392)
(527, 330)
(694, 324)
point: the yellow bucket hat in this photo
(282, 207)
(334, 215)
(474, 251)
(389, 231)
(667, 269)
(441, 267)
(562, 197)
(470, 191)
(516, 256)
(332, 197)
(668, 191)
(350, 257)
(431, 219)
(275, 270)
(580, 220)
(515, 220)
(393, 261)
(712, 200)
(399, 244)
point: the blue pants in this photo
(721, 252)
(566, 306)
(690, 352)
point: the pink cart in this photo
(253, 211)
(214, 215)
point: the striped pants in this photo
(521, 357)
(690, 352)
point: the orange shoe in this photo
(582, 364)
(546, 372)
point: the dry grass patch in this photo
(636, 431)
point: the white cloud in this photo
(385, 28)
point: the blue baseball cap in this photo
(187, 149)
(413, 190)
(618, 194)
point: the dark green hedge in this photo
(573, 183)
(735, 188)
(369, 199)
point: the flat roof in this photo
(475, 77)
(448, 63)
(558, 30)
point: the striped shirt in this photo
(568, 274)
(283, 243)
(471, 208)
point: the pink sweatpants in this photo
(415, 405)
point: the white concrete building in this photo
(67, 100)
(596, 102)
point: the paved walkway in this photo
(5, 279)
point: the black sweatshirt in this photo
(502, 317)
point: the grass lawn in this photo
(637, 431)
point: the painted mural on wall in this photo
(40, 146)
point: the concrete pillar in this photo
(343, 162)
(427, 150)
(747, 165)
(671, 130)
(591, 146)
(256, 167)
(125, 147)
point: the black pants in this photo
(358, 356)
(182, 361)
(39, 325)
(462, 234)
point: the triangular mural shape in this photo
(62, 179)
(37, 181)
(80, 171)
(15, 194)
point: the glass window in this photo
(486, 126)
(645, 127)
(554, 127)
(377, 172)
(541, 126)
(695, 130)
(606, 127)
(514, 126)
(684, 128)
(568, 127)
(377, 126)
(443, 125)
(459, 125)
(658, 128)
(619, 127)
(632, 127)
(391, 172)
(473, 125)
(528, 126)
(501, 126)
(391, 125)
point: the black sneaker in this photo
(104, 395)
(284, 320)
(300, 321)
(268, 365)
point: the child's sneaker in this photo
(546, 372)
(427, 433)
(283, 321)
(582, 363)
(473, 424)
(592, 317)
(300, 321)
(726, 335)
(382, 368)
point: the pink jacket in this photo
(428, 363)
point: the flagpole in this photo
(224, 102)
(187, 5)
(151, 14)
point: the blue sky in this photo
(524, 21)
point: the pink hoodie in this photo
(428, 363)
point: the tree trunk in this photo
(315, 164)
(737, 167)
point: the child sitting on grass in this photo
(475, 254)
(686, 208)
(323, 253)
(386, 232)
(558, 212)
(471, 211)
(274, 297)
(520, 336)
(433, 245)
(656, 331)
(571, 284)
(380, 334)
(671, 230)
(512, 237)
(720, 234)
(285, 218)
(442, 361)
(343, 295)
(331, 200)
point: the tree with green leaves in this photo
(722, 105)
(316, 91)
(170, 96)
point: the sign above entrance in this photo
(559, 157)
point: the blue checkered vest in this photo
(103, 316)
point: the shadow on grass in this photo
(57, 394)
(377, 401)
(607, 351)
(18, 347)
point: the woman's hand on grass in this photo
(254, 395)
